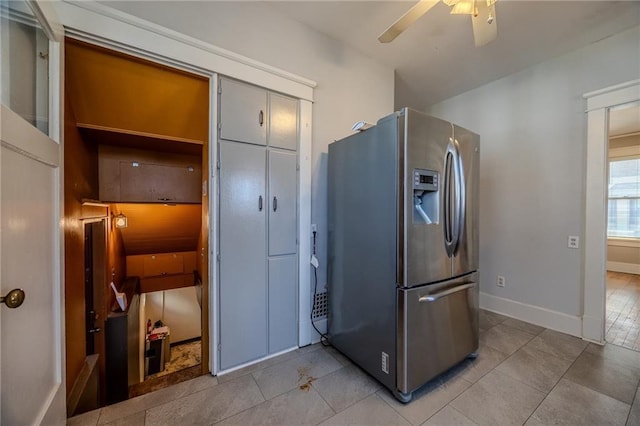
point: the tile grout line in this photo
(635, 395)
(390, 406)
(555, 385)
(259, 389)
(328, 405)
(246, 409)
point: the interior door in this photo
(31, 335)
(243, 254)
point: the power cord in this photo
(324, 339)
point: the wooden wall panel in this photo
(157, 228)
(111, 90)
(152, 264)
(80, 181)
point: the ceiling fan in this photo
(483, 18)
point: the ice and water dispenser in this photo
(425, 196)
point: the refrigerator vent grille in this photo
(319, 305)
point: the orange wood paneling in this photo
(157, 228)
(120, 92)
(80, 181)
(153, 264)
(165, 282)
(156, 177)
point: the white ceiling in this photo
(436, 58)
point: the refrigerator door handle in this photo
(459, 209)
(434, 297)
(449, 180)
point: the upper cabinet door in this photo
(243, 112)
(283, 122)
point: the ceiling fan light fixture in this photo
(464, 7)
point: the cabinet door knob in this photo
(275, 203)
(261, 118)
(260, 203)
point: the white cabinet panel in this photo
(243, 112)
(283, 122)
(283, 296)
(243, 268)
(282, 199)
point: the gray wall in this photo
(533, 165)
(351, 87)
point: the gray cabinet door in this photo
(243, 112)
(282, 202)
(283, 122)
(283, 299)
(243, 257)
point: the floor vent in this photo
(319, 306)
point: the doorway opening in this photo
(599, 103)
(622, 325)
(136, 266)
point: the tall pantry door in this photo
(243, 254)
(283, 284)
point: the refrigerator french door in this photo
(403, 248)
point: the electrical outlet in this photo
(314, 227)
(573, 241)
(501, 281)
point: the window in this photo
(24, 48)
(624, 198)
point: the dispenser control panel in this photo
(425, 180)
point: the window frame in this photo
(621, 154)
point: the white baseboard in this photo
(627, 268)
(255, 361)
(547, 318)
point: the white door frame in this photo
(599, 103)
(107, 27)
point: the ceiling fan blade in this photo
(406, 20)
(485, 25)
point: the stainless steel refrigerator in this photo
(403, 248)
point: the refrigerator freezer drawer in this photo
(437, 328)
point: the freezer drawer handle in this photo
(434, 297)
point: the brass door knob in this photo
(14, 298)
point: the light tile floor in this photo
(524, 374)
